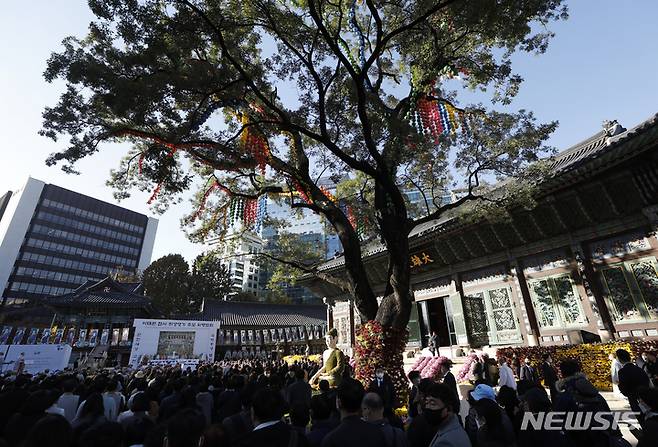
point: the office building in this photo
(238, 255)
(52, 240)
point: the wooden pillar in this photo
(533, 334)
(330, 313)
(593, 290)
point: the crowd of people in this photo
(495, 419)
(257, 402)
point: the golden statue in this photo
(333, 362)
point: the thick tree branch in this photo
(260, 192)
(342, 284)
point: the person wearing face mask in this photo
(381, 384)
(495, 428)
(528, 372)
(440, 411)
(448, 379)
(647, 399)
(420, 432)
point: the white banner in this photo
(173, 340)
(36, 358)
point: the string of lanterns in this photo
(255, 144)
(252, 142)
(202, 206)
(354, 28)
(432, 116)
(300, 190)
(429, 115)
(250, 212)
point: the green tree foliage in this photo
(276, 296)
(252, 97)
(167, 283)
(246, 297)
(209, 278)
(175, 289)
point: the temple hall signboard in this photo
(173, 340)
(422, 258)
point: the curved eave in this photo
(583, 161)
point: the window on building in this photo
(632, 290)
(556, 301)
(490, 317)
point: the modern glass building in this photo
(52, 240)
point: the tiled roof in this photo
(105, 292)
(569, 162)
(100, 298)
(232, 313)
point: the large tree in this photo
(176, 289)
(245, 98)
(209, 278)
(167, 283)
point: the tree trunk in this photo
(381, 343)
(395, 308)
(364, 297)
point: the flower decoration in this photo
(402, 412)
(292, 359)
(377, 346)
(430, 367)
(465, 371)
(593, 357)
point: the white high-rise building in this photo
(238, 254)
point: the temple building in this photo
(248, 329)
(96, 319)
(580, 265)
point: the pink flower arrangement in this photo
(429, 367)
(465, 370)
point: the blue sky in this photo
(603, 64)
